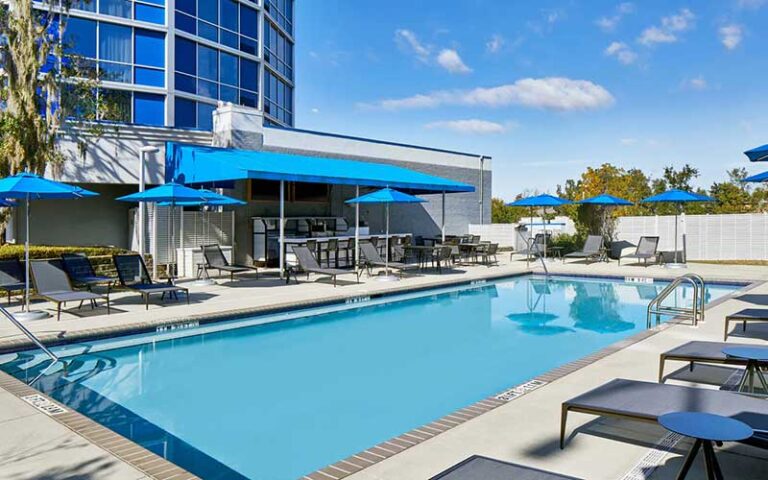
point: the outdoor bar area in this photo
(333, 239)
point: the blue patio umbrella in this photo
(28, 187)
(606, 201)
(171, 194)
(544, 200)
(757, 178)
(678, 197)
(386, 196)
(757, 154)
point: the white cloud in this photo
(730, 35)
(495, 44)
(315, 110)
(696, 83)
(628, 141)
(551, 93)
(473, 126)
(450, 60)
(622, 52)
(670, 26)
(609, 23)
(750, 4)
(409, 42)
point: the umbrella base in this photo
(387, 278)
(675, 265)
(31, 315)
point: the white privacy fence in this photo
(506, 234)
(707, 237)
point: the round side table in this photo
(705, 428)
(755, 357)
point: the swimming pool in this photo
(279, 400)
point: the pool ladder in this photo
(530, 243)
(29, 334)
(695, 312)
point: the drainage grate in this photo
(44, 405)
(520, 390)
(732, 383)
(648, 464)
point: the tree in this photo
(501, 213)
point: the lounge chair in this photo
(215, 260)
(593, 249)
(308, 264)
(52, 283)
(747, 315)
(371, 258)
(12, 276)
(487, 253)
(646, 249)
(536, 247)
(646, 401)
(478, 467)
(81, 271)
(133, 275)
(701, 352)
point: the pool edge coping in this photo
(159, 468)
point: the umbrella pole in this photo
(25, 307)
(281, 244)
(386, 245)
(357, 230)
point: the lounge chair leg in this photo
(58, 312)
(108, 307)
(187, 293)
(146, 302)
(661, 368)
(563, 420)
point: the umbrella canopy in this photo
(35, 187)
(677, 196)
(606, 201)
(540, 201)
(208, 198)
(386, 195)
(757, 178)
(172, 193)
(7, 203)
(758, 154)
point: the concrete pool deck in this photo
(525, 430)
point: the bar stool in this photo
(375, 242)
(332, 248)
(312, 246)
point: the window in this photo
(278, 99)
(80, 37)
(229, 69)
(148, 108)
(278, 51)
(186, 56)
(115, 53)
(223, 21)
(185, 114)
(120, 105)
(282, 12)
(118, 8)
(145, 10)
(205, 115)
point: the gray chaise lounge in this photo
(215, 260)
(478, 467)
(645, 401)
(745, 316)
(308, 264)
(647, 248)
(133, 276)
(12, 276)
(371, 258)
(52, 283)
(593, 249)
(81, 271)
(700, 352)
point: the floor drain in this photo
(648, 464)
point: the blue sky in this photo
(546, 88)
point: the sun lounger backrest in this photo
(647, 245)
(305, 257)
(493, 248)
(214, 256)
(593, 244)
(77, 265)
(49, 277)
(370, 253)
(11, 271)
(131, 270)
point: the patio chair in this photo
(593, 249)
(442, 257)
(478, 467)
(747, 315)
(52, 283)
(370, 258)
(308, 264)
(487, 253)
(81, 272)
(701, 352)
(215, 260)
(12, 276)
(646, 402)
(133, 275)
(646, 249)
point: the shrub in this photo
(568, 242)
(15, 250)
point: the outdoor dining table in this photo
(423, 253)
(469, 250)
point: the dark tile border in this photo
(150, 464)
(159, 468)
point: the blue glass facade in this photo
(172, 61)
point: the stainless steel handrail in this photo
(531, 242)
(29, 334)
(695, 312)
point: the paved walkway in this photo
(33, 445)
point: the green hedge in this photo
(49, 251)
(569, 243)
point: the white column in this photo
(442, 219)
(153, 241)
(143, 151)
(281, 243)
(183, 258)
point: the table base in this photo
(712, 465)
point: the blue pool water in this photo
(279, 400)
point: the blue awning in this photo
(194, 164)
